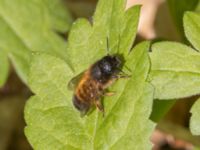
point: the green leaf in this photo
(30, 26)
(52, 103)
(192, 28)
(60, 18)
(13, 47)
(4, 67)
(128, 34)
(175, 70)
(177, 9)
(111, 22)
(53, 122)
(195, 118)
(135, 137)
(160, 109)
(198, 7)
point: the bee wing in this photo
(74, 81)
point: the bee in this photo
(93, 82)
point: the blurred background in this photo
(160, 20)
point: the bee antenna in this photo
(118, 44)
(126, 69)
(121, 70)
(107, 42)
(124, 75)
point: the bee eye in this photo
(96, 72)
(107, 67)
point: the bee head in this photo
(109, 64)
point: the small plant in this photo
(175, 68)
(46, 63)
(50, 114)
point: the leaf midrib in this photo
(175, 71)
(9, 24)
(137, 63)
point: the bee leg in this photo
(119, 76)
(99, 106)
(122, 73)
(108, 93)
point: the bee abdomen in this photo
(80, 105)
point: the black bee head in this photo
(103, 69)
(109, 64)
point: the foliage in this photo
(52, 121)
(4, 67)
(89, 41)
(192, 30)
(177, 74)
(160, 108)
(30, 26)
(29, 39)
(195, 119)
(177, 9)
